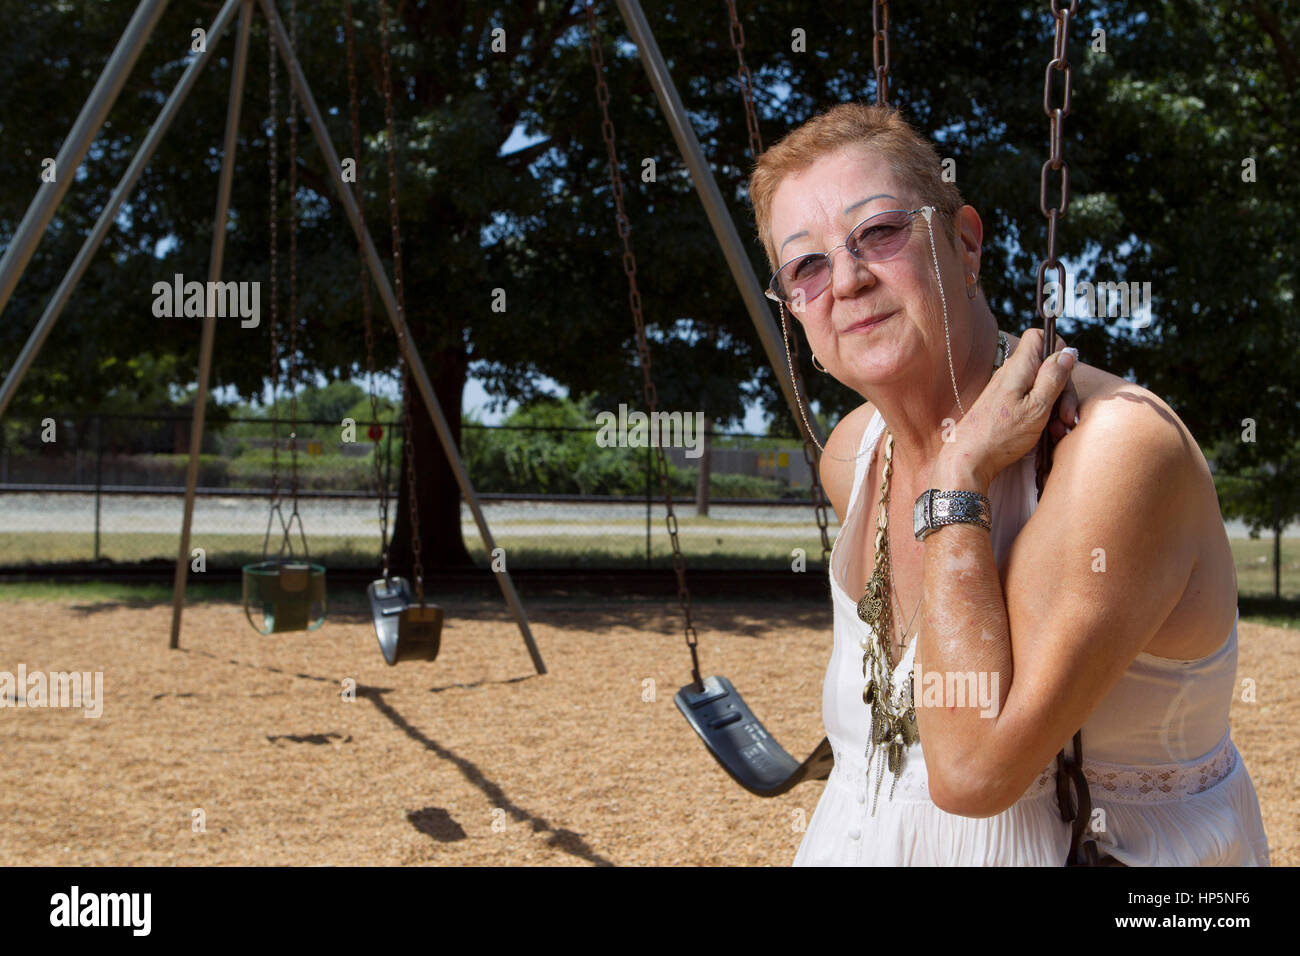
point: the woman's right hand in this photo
(1069, 409)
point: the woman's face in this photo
(814, 211)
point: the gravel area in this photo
(469, 760)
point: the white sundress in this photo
(1156, 752)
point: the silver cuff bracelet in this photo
(935, 508)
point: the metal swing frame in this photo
(73, 151)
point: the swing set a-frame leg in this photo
(413, 360)
(239, 68)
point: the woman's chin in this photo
(869, 369)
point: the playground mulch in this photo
(242, 749)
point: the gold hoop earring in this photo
(817, 365)
(972, 287)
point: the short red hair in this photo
(912, 159)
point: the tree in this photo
(1162, 122)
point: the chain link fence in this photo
(110, 488)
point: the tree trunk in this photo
(437, 494)
(706, 471)
(1277, 548)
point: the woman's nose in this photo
(848, 274)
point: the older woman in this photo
(992, 625)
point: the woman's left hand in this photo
(1007, 419)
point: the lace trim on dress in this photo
(1160, 782)
(1107, 782)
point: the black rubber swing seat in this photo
(741, 744)
(406, 630)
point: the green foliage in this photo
(331, 403)
(319, 473)
(525, 454)
(1160, 125)
(514, 458)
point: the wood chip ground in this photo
(469, 760)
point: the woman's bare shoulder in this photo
(1131, 431)
(846, 436)
(1108, 403)
(1130, 481)
(843, 443)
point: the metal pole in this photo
(106, 218)
(1277, 547)
(413, 360)
(649, 496)
(101, 99)
(99, 475)
(723, 227)
(238, 69)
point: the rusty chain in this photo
(293, 267)
(376, 431)
(1068, 768)
(642, 345)
(746, 81)
(272, 220)
(879, 43)
(810, 454)
(1056, 161)
(408, 449)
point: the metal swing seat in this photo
(407, 631)
(741, 744)
(408, 627)
(284, 593)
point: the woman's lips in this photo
(868, 323)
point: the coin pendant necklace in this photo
(893, 723)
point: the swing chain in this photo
(417, 562)
(381, 481)
(879, 41)
(746, 80)
(272, 220)
(810, 454)
(1055, 161)
(409, 444)
(642, 345)
(293, 268)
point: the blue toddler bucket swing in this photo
(287, 592)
